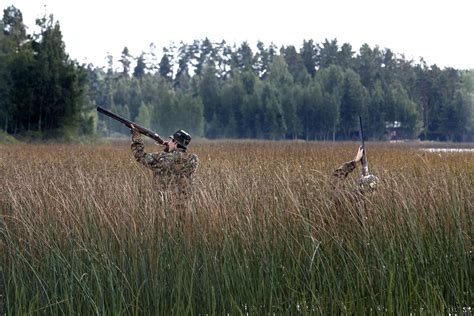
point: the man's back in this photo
(172, 171)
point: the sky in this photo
(439, 31)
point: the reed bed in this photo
(83, 232)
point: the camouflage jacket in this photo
(342, 172)
(345, 193)
(364, 183)
(338, 177)
(172, 172)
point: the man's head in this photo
(179, 140)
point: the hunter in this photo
(346, 196)
(366, 183)
(173, 167)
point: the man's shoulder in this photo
(192, 157)
(188, 158)
(177, 155)
(160, 155)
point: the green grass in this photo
(84, 232)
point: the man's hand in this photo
(133, 130)
(359, 155)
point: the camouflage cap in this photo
(368, 182)
(182, 138)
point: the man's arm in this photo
(348, 167)
(343, 171)
(138, 150)
(191, 165)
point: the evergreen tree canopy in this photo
(213, 89)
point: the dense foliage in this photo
(219, 90)
(41, 88)
(318, 92)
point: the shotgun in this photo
(128, 123)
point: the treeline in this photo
(314, 92)
(42, 91)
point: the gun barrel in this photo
(114, 116)
(365, 164)
(128, 123)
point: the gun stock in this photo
(365, 164)
(128, 123)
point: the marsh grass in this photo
(84, 232)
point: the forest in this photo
(315, 91)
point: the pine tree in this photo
(165, 68)
(309, 55)
(59, 82)
(139, 70)
(125, 61)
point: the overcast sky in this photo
(439, 31)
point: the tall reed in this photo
(84, 232)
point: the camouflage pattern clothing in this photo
(342, 172)
(337, 181)
(349, 196)
(365, 183)
(172, 171)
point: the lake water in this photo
(448, 150)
